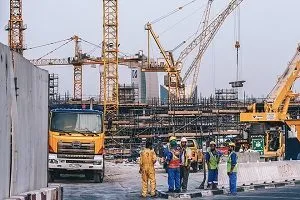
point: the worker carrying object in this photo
(185, 165)
(147, 161)
(173, 164)
(232, 168)
(212, 158)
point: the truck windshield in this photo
(76, 122)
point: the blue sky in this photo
(269, 36)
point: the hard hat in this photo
(172, 138)
(212, 143)
(231, 144)
(183, 139)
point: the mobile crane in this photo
(268, 119)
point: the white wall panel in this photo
(28, 112)
(5, 62)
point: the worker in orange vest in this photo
(173, 161)
(147, 161)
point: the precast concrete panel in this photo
(24, 101)
(31, 133)
(5, 62)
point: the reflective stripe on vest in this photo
(187, 154)
(175, 161)
(213, 161)
(229, 164)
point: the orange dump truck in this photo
(76, 143)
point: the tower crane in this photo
(110, 50)
(268, 118)
(16, 27)
(80, 59)
(173, 68)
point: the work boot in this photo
(177, 191)
(184, 190)
(214, 186)
(209, 187)
(170, 191)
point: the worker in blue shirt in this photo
(232, 168)
(212, 158)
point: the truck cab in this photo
(76, 143)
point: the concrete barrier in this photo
(244, 157)
(54, 192)
(23, 125)
(262, 173)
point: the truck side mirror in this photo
(109, 123)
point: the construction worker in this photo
(147, 161)
(173, 164)
(185, 165)
(212, 158)
(232, 168)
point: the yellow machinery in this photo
(175, 82)
(76, 143)
(273, 112)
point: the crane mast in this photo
(110, 56)
(15, 27)
(77, 74)
(195, 66)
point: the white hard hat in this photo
(183, 139)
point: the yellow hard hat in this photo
(212, 143)
(231, 144)
(172, 138)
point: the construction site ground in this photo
(122, 181)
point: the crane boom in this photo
(196, 62)
(208, 34)
(275, 108)
(285, 82)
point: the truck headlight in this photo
(53, 161)
(98, 162)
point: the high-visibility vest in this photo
(213, 161)
(229, 164)
(175, 161)
(187, 157)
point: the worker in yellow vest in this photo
(212, 158)
(185, 165)
(147, 161)
(232, 168)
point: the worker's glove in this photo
(228, 173)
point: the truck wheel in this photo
(195, 167)
(99, 176)
(50, 177)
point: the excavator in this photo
(270, 119)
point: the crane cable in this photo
(48, 44)
(172, 12)
(237, 45)
(55, 49)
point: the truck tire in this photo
(50, 177)
(97, 177)
(195, 166)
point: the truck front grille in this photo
(76, 148)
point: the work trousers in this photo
(148, 175)
(212, 176)
(184, 176)
(232, 183)
(174, 178)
